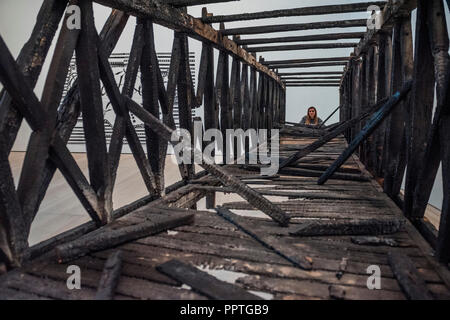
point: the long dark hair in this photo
(310, 120)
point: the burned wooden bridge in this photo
(332, 216)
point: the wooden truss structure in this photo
(254, 96)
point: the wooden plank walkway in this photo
(213, 244)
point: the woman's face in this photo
(312, 113)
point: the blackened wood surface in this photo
(203, 283)
(305, 11)
(214, 243)
(110, 277)
(419, 114)
(351, 227)
(92, 110)
(407, 276)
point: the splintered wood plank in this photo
(110, 277)
(129, 287)
(204, 283)
(312, 289)
(351, 227)
(411, 282)
(114, 234)
(299, 261)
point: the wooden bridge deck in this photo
(215, 245)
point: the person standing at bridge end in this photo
(311, 118)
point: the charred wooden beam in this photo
(109, 236)
(30, 61)
(313, 85)
(245, 99)
(122, 115)
(296, 27)
(150, 97)
(307, 65)
(92, 109)
(69, 110)
(367, 130)
(47, 245)
(408, 277)
(302, 47)
(297, 260)
(64, 161)
(311, 78)
(389, 16)
(277, 62)
(296, 12)
(348, 227)
(311, 82)
(374, 241)
(119, 129)
(175, 19)
(185, 96)
(402, 61)
(329, 117)
(13, 234)
(318, 37)
(110, 277)
(204, 283)
(419, 113)
(284, 74)
(228, 180)
(383, 90)
(26, 99)
(185, 3)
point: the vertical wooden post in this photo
(283, 106)
(356, 93)
(261, 100)
(185, 90)
(383, 90)
(371, 99)
(245, 96)
(438, 146)
(402, 61)
(91, 105)
(222, 93)
(420, 111)
(253, 121)
(364, 101)
(149, 81)
(269, 113)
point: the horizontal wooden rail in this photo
(316, 37)
(296, 12)
(303, 47)
(275, 62)
(296, 27)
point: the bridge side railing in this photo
(414, 139)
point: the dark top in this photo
(312, 124)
